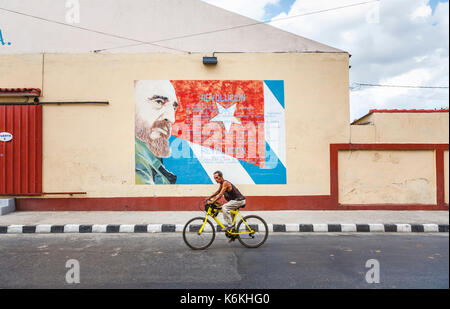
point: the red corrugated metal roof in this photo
(26, 92)
(401, 111)
(408, 111)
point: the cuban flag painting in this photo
(233, 126)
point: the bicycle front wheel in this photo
(196, 237)
(254, 231)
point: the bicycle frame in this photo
(235, 214)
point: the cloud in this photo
(391, 42)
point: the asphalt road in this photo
(285, 261)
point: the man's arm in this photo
(215, 193)
(224, 187)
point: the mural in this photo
(186, 130)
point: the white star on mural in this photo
(226, 115)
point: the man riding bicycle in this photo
(251, 231)
(234, 198)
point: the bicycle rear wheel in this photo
(196, 240)
(256, 224)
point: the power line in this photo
(140, 42)
(241, 26)
(401, 86)
(87, 29)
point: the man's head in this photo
(156, 103)
(218, 177)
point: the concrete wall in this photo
(384, 177)
(396, 177)
(91, 148)
(428, 128)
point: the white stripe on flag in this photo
(212, 161)
(274, 124)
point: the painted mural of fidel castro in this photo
(156, 104)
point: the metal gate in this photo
(20, 149)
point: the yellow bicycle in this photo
(199, 233)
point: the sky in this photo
(392, 42)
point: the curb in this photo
(178, 228)
(7, 205)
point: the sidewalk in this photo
(171, 221)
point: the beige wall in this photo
(428, 128)
(91, 148)
(363, 134)
(392, 177)
(24, 71)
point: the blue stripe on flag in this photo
(184, 164)
(274, 171)
(277, 88)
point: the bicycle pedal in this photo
(232, 238)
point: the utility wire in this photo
(140, 42)
(87, 29)
(402, 86)
(240, 26)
